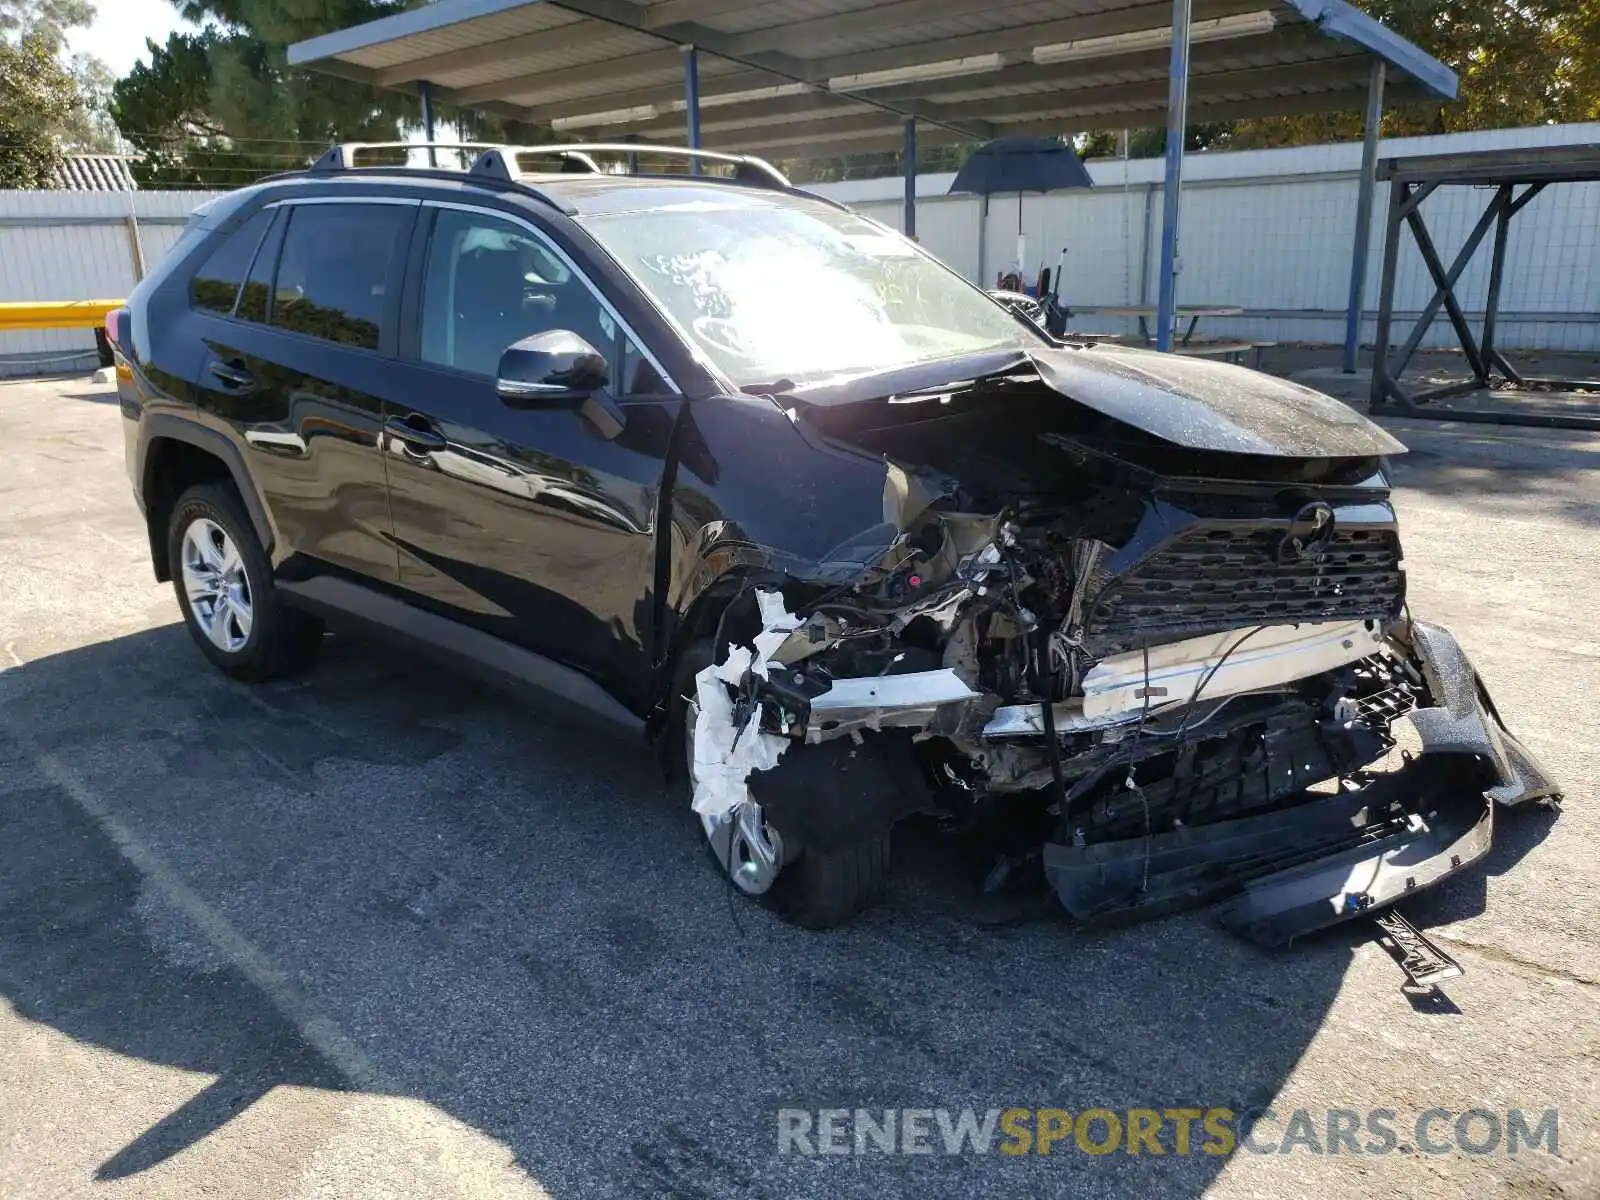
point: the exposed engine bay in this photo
(1144, 688)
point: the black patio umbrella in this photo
(1021, 164)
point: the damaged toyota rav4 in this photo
(852, 542)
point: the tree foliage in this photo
(1520, 62)
(222, 107)
(82, 124)
(45, 20)
(38, 99)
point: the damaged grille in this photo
(1217, 577)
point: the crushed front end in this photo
(1143, 679)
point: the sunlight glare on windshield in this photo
(801, 290)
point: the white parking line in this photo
(319, 1032)
(474, 1164)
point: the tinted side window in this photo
(489, 283)
(256, 298)
(216, 283)
(334, 268)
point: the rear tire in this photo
(812, 889)
(225, 589)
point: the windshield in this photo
(799, 291)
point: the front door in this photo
(522, 517)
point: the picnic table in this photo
(1146, 313)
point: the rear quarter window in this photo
(215, 285)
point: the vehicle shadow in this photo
(517, 919)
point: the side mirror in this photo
(554, 365)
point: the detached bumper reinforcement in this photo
(1280, 907)
(1294, 870)
(1288, 872)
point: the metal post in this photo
(983, 240)
(691, 101)
(1497, 270)
(135, 243)
(1177, 120)
(425, 94)
(1399, 194)
(910, 167)
(1363, 240)
(1144, 243)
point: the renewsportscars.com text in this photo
(1174, 1131)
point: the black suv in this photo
(761, 480)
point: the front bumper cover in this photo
(1296, 870)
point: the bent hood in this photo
(1191, 403)
(1205, 405)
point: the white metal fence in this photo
(77, 246)
(1268, 231)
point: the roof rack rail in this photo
(500, 162)
(342, 157)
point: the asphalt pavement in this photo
(382, 932)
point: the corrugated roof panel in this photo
(598, 88)
(610, 46)
(95, 173)
(783, 12)
(1070, 77)
(931, 33)
(601, 86)
(1325, 38)
(484, 30)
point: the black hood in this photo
(1206, 405)
(1190, 403)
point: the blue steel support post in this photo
(910, 166)
(691, 101)
(1177, 120)
(425, 94)
(1363, 237)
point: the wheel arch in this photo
(174, 455)
(696, 620)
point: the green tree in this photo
(91, 128)
(38, 99)
(222, 107)
(46, 20)
(45, 23)
(1520, 62)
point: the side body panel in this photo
(530, 525)
(308, 426)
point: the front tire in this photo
(225, 589)
(804, 886)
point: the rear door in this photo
(300, 367)
(523, 518)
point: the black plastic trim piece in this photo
(481, 654)
(166, 425)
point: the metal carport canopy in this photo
(794, 78)
(809, 78)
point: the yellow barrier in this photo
(55, 314)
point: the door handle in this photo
(233, 375)
(421, 437)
